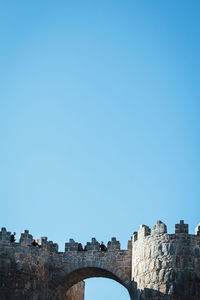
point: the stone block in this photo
(135, 236)
(143, 231)
(26, 238)
(159, 228)
(161, 275)
(44, 243)
(181, 227)
(76, 292)
(130, 245)
(4, 235)
(93, 245)
(113, 244)
(71, 246)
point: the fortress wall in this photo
(166, 264)
(154, 267)
(40, 272)
(23, 272)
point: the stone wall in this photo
(40, 272)
(24, 272)
(72, 266)
(76, 292)
(154, 267)
(166, 265)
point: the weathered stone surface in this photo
(155, 267)
(76, 292)
(113, 244)
(181, 227)
(26, 238)
(42, 273)
(4, 235)
(159, 228)
(173, 265)
(143, 231)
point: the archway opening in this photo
(104, 288)
(91, 277)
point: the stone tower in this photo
(166, 265)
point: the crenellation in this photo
(166, 260)
(143, 231)
(135, 236)
(26, 238)
(44, 243)
(53, 246)
(71, 246)
(93, 245)
(113, 244)
(159, 228)
(181, 227)
(129, 246)
(4, 235)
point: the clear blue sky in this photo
(99, 119)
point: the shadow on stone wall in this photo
(178, 292)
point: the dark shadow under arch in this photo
(88, 272)
(81, 274)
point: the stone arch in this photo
(65, 280)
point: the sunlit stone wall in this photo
(76, 292)
(166, 265)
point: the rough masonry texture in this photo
(76, 292)
(157, 266)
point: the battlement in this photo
(156, 264)
(94, 245)
(49, 245)
(26, 239)
(181, 230)
(43, 271)
(159, 229)
(4, 235)
(166, 264)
